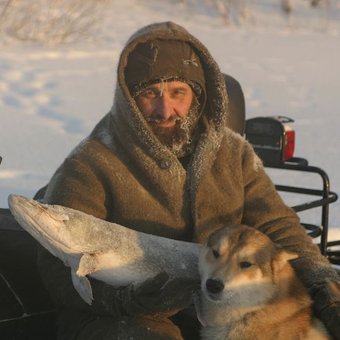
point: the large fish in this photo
(106, 251)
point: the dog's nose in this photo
(214, 286)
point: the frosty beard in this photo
(180, 139)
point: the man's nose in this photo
(164, 108)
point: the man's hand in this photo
(158, 295)
(327, 306)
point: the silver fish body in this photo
(106, 251)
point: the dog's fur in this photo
(250, 290)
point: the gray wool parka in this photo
(122, 173)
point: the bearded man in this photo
(164, 161)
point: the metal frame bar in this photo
(328, 197)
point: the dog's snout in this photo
(214, 286)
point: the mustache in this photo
(157, 120)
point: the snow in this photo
(52, 96)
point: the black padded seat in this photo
(26, 310)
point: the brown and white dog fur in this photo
(250, 290)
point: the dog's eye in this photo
(245, 264)
(216, 253)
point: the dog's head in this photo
(239, 266)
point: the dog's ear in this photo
(281, 259)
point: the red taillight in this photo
(272, 138)
(289, 143)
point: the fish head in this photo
(46, 223)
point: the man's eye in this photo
(148, 94)
(178, 93)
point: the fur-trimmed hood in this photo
(128, 125)
(125, 111)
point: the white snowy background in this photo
(51, 95)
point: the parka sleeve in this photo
(265, 210)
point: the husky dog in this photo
(249, 290)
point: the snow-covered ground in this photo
(51, 97)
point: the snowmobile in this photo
(26, 309)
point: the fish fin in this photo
(87, 264)
(198, 308)
(82, 286)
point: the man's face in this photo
(162, 104)
(171, 109)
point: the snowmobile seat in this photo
(236, 104)
(26, 310)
